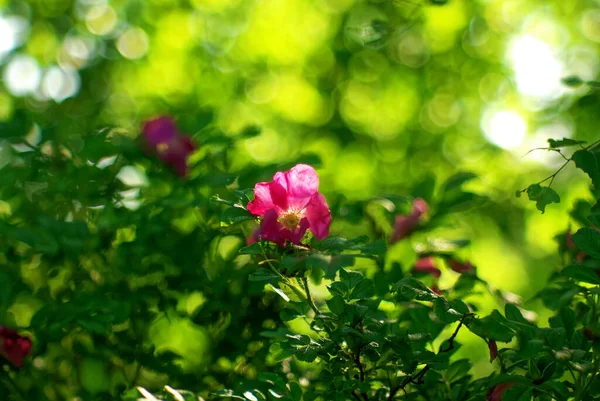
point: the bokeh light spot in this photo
(22, 75)
(537, 70)
(505, 129)
(133, 43)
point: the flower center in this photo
(290, 220)
(162, 147)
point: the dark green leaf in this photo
(581, 273)
(572, 81)
(494, 327)
(586, 161)
(588, 241)
(560, 143)
(542, 196)
(254, 249)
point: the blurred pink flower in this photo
(426, 265)
(14, 347)
(406, 224)
(163, 138)
(254, 237)
(290, 205)
(461, 267)
(496, 392)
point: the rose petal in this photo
(301, 183)
(461, 267)
(426, 265)
(297, 235)
(271, 229)
(318, 216)
(420, 207)
(496, 392)
(403, 226)
(262, 199)
(279, 196)
(159, 130)
(14, 347)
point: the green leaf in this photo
(588, 241)
(336, 263)
(457, 370)
(573, 81)
(457, 180)
(594, 215)
(281, 293)
(581, 273)
(254, 249)
(263, 274)
(336, 305)
(561, 143)
(513, 313)
(543, 196)
(364, 289)
(494, 327)
(518, 393)
(235, 215)
(586, 161)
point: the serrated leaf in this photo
(542, 196)
(588, 241)
(587, 161)
(561, 143)
(494, 327)
(581, 273)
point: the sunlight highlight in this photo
(537, 70)
(505, 129)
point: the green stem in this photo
(309, 297)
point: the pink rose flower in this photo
(496, 392)
(405, 225)
(426, 265)
(163, 138)
(290, 205)
(14, 347)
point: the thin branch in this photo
(418, 378)
(309, 297)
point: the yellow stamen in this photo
(162, 147)
(290, 220)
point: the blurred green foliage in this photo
(384, 95)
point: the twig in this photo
(418, 378)
(551, 177)
(309, 297)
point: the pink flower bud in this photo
(163, 138)
(426, 265)
(496, 392)
(461, 267)
(406, 224)
(14, 347)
